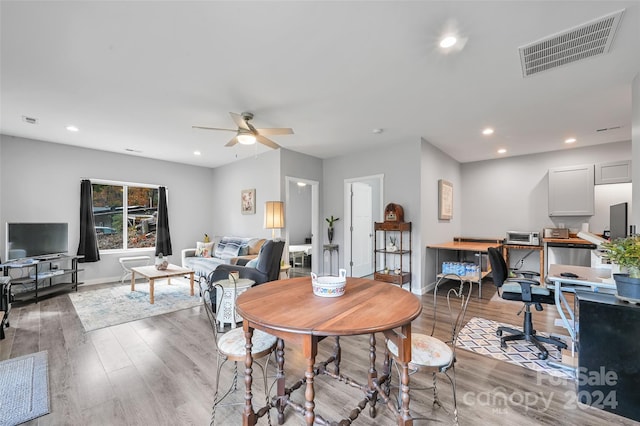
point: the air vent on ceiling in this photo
(584, 41)
(30, 120)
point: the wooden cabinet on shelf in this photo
(39, 277)
(391, 258)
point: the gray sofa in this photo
(225, 251)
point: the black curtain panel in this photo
(88, 246)
(163, 239)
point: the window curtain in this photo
(163, 239)
(88, 246)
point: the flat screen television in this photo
(618, 220)
(36, 239)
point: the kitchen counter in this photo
(570, 240)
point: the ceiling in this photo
(137, 76)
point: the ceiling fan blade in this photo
(232, 142)
(213, 128)
(267, 142)
(275, 131)
(240, 122)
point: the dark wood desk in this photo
(289, 310)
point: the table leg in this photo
(151, 282)
(560, 300)
(133, 281)
(310, 350)
(191, 282)
(373, 374)
(337, 356)
(249, 416)
(480, 275)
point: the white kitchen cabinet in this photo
(571, 191)
(613, 172)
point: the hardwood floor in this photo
(161, 370)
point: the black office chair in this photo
(527, 290)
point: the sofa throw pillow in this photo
(204, 249)
(255, 244)
(232, 247)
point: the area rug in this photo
(118, 304)
(24, 388)
(479, 336)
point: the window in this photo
(121, 228)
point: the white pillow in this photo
(204, 249)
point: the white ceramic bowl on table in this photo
(329, 286)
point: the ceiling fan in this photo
(246, 134)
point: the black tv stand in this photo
(42, 275)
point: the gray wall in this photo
(400, 165)
(512, 194)
(40, 182)
(261, 173)
(437, 165)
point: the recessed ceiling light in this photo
(72, 128)
(487, 131)
(196, 152)
(570, 140)
(378, 131)
(502, 151)
(448, 41)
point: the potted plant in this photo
(625, 252)
(330, 221)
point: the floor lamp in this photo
(274, 216)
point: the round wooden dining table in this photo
(289, 310)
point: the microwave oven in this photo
(525, 238)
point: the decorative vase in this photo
(627, 287)
(161, 263)
(330, 234)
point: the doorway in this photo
(363, 206)
(301, 225)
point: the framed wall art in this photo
(248, 201)
(445, 200)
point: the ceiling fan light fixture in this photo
(246, 139)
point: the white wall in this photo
(40, 182)
(400, 165)
(437, 165)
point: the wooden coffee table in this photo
(151, 273)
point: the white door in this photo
(362, 230)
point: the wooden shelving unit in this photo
(400, 258)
